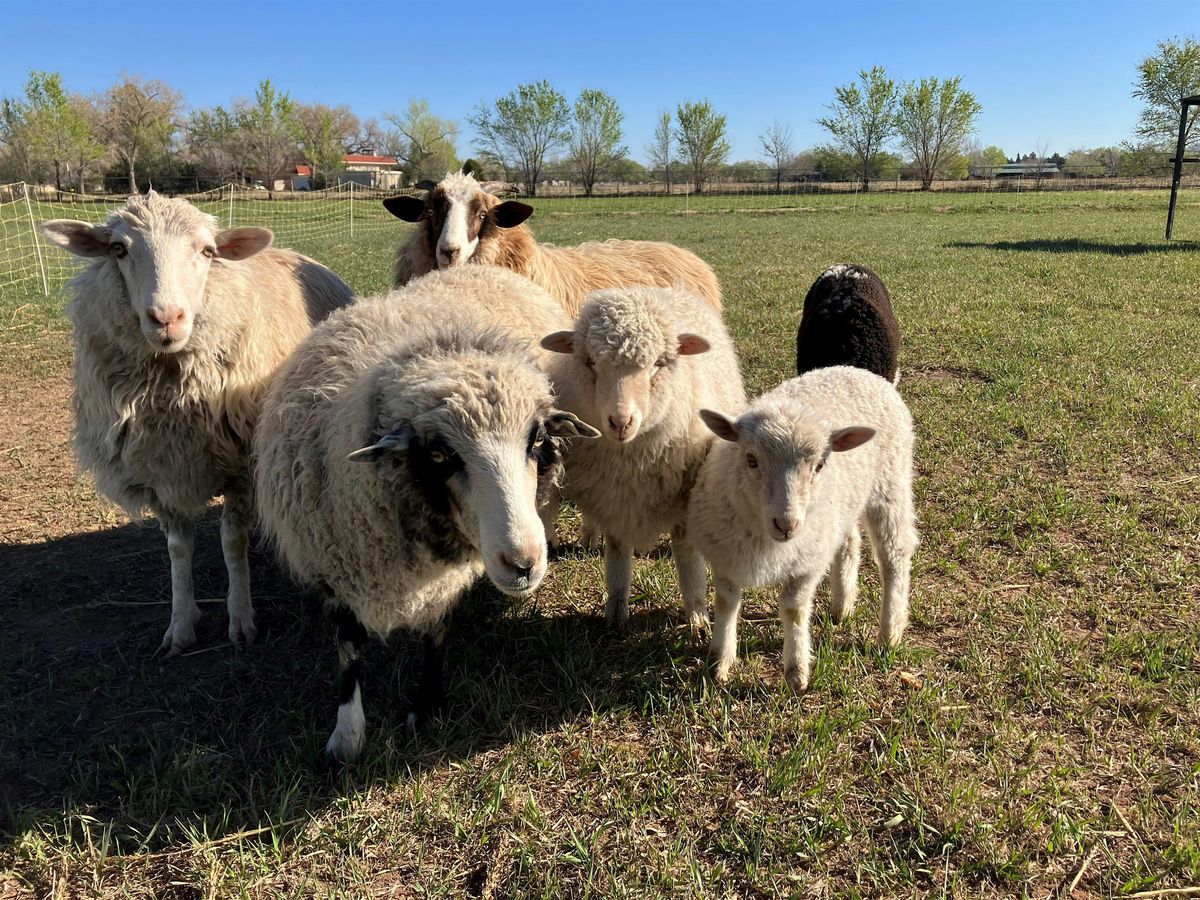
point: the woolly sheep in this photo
(643, 361)
(460, 222)
(848, 321)
(178, 328)
(402, 452)
(780, 496)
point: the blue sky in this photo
(1057, 71)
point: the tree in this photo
(983, 161)
(701, 138)
(215, 144)
(863, 119)
(1163, 80)
(933, 120)
(140, 118)
(777, 145)
(55, 128)
(596, 140)
(523, 126)
(428, 145)
(326, 133)
(271, 130)
(659, 149)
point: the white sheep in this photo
(402, 452)
(644, 360)
(780, 497)
(459, 222)
(178, 328)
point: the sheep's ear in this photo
(407, 208)
(691, 344)
(561, 423)
(466, 168)
(511, 213)
(423, 185)
(559, 342)
(242, 243)
(395, 441)
(849, 438)
(80, 238)
(720, 424)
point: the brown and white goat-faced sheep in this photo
(178, 328)
(459, 222)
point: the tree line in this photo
(877, 128)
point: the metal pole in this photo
(1178, 165)
(230, 225)
(351, 209)
(37, 245)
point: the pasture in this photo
(1037, 733)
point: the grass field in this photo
(1038, 732)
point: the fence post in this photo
(352, 210)
(230, 225)
(37, 244)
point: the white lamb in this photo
(178, 329)
(780, 497)
(402, 453)
(644, 360)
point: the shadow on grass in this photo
(226, 739)
(1078, 245)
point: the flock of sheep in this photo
(395, 448)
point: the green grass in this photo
(1041, 719)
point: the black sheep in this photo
(848, 321)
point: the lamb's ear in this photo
(559, 342)
(80, 238)
(511, 213)
(720, 424)
(243, 243)
(407, 208)
(395, 441)
(691, 344)
(561, 423)
(423, 185)
(849, 438)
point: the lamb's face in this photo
(163, 250)
(780, 455)
(623, 376)
(459, 217)
(484, 457)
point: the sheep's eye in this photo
(820, 465)
(118, 250)
(438, 456)
(483, 215)
(752, 460)
(210, 251)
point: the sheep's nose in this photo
(163, 318)
(451, 255)
(785, 528)
(622, 428)
(521, 565)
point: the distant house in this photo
(302, 178)
(371, 170)
(1026, 169)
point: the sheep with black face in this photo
(460, 222)
(403, 452)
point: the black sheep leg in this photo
(431, 692)
(350, 734)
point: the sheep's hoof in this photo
(796, 680)
(340, 750)
(242, 627)
(721, 671)
(180, 635)
(700, 625)
(329, 764)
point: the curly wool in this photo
(848, 321)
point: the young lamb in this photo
(779, 499)
(848, 321)
(460, 222)
(644, 360)
(402, 452)
(178, 328)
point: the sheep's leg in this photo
(181, 540)
(723, 648)
(589, 534)
(549, 517)
(795, 611)
(693, 580)
(618, 579)
(350, 733)
(843, 580)
(894, 538)
(236, 519)
(431, 693)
